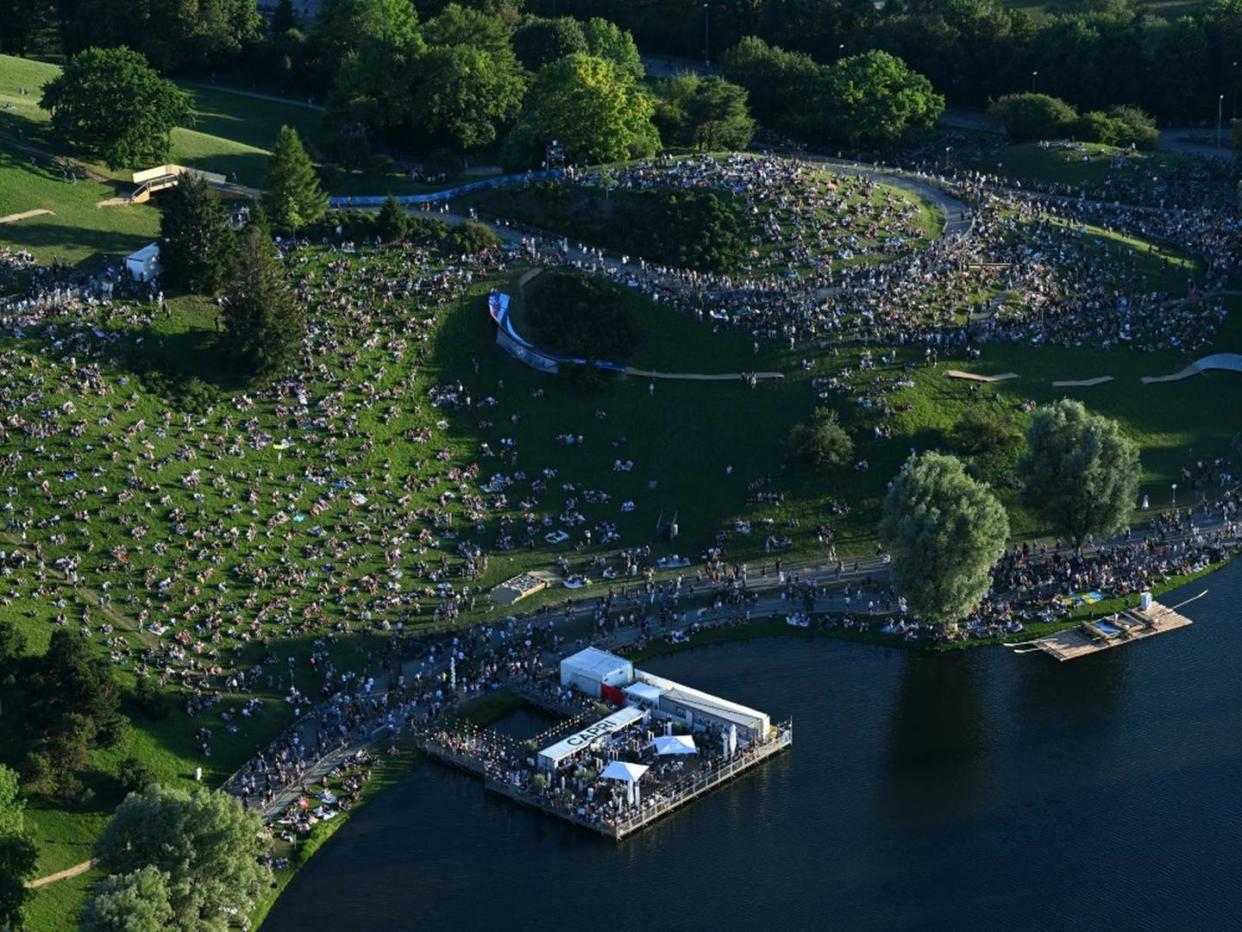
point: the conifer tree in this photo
(198, 247)
(263, 325)
(294, 198)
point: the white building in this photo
(590, 670)
(144, 264)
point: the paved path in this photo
(25, 215)
(62, 875)
(304, 104)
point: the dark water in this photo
(978, 790)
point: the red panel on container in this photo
(612, 694)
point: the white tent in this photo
(674, 744)
(620, 770)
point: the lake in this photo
(971, 790)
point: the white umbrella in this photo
(675, 744)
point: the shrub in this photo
(133, 774)
(988, 433)
(1033, 116)
(822, 442)
(471, 237)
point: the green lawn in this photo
(1079, 164)
(76, 230)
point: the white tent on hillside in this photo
(674, 744)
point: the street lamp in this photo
(707, 46)
(1220, 109)
(1033, 76)
(947, 150)
(1174, 493)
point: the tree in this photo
(944, 532)
(706, 113)
(595, 112)
(197, 247)
(458, 25)
(822, 441)
(606, 39)
(292, 197)
(133, 773)
(987, 432)
(1081, 473)
(71, 679)
(875, 98)
(392, 221)
(133, 902)
(12, 645)
(782, 86)
(18, 854)
(464, 95)
(263, 325)
(542, 41)
(206, 846)
(1033, 116)
(110, 104)
(343, 26)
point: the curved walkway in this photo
(62, 875)
(1230, 362)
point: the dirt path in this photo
(975, 377)
(63, 875)
(24, 215)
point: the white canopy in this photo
(620, 770)
(674, 744)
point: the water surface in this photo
(975, 790)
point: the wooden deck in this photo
(1091, 638)
(659, 806)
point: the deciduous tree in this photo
(135, 902)
(1081, 472)
(17, 852)
(944, 532)
(111, 104)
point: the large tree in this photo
(1082, 474)
(595, 112)
(263, 325)
(112, 105)
(17, 852)
(608, 40)
(875, 98)
(944, 532)
(705, 113)
(1033, 116)
(292, 195)
(205, 844)
(139, 901)
(540, 42)
(197, 247)
(464, 95)
(347, 25)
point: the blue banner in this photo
(375, 200)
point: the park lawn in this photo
(232, 134)
(55, 907)
(76, 231)
(1075, 165)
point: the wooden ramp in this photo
(1091, 637)
(976, 377)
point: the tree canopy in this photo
(203, 842)
(18, 855)
(944, 532)
(139, 901)
(596, 113)
(704, 113)
(464, 95)
(292, 196)
(876, 98)
(112, 105)
(1081, 472)
(196, 245)
(540, 42)
(263, 325)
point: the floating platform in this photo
(1091, 637)
(662, 803)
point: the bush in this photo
(471, 237)
(988, 433)
(425, 231)
(822, 442)
(1033, 116)
(1134, 127)
(391, 222)
(582, 316)
(133, 774)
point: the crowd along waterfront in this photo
(977, 789)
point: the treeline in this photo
(1093, 53)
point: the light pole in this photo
(947, 150)
(840, 51)
(1033, 76)
(707, 39)
(1220, 109)
(1174, 493)
(1234, 75)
